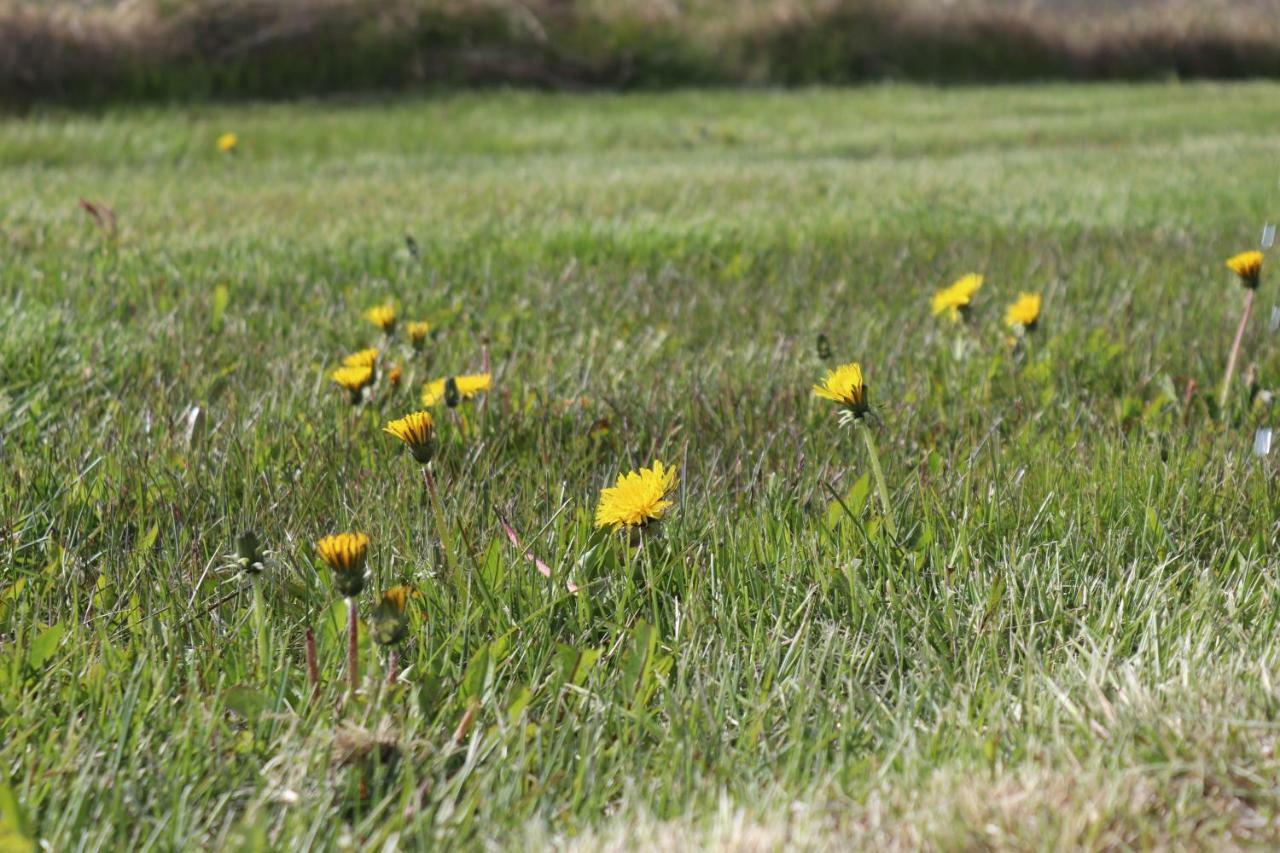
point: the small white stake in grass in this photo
(1274, 325)
(1262, 442)
(1268, 236)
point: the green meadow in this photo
(1062, 634)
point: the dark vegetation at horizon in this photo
(229, 49)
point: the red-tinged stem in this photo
(1235, 350)
(353, 645)
(393, 667)
(313, 666)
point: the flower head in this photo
(1024, 312)
(249, 558)
(1247, 265)
(345, 555)
(637, 498)
(467, 387)
(354, 379)
(417, 330)
(393, 375)
(417, 431)
(954, 301)
(382, 316)
(227, 142)
(844, 385)
(364, 358)
(389, 623)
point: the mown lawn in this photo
(1070, 640)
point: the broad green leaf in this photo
(16, 835)
(574, 665)
(246, 701)
(221, 299)
(44, 645)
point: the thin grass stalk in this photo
(260, 627)
(882, 488)
(353, 645)
(437, 512)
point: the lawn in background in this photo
(1071, 640)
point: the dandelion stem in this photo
(313, 666)
(393, 667)
(353, 645)
(438, 516)
(881, 488)
(1235, 351)
(260, 626)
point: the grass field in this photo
(1070, 640)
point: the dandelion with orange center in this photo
(417, 431)
(637, 499)
(466, 387)
(382, 316)
(227, 143)
(955, 301)
(345, 555)
(388, 625)
(353, 379)
(1024, 312)
(417, 330)
(363, 358)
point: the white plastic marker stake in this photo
(1262, 442)
(1268, 235)
(1274, 325)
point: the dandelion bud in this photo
(451, 395)
(417, 330)
(824, 347)
(389, 621)
(248, 553)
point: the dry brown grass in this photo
(142, 48)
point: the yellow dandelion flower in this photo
(345, 554)
(1024, 312)
(417, 330)
(417, 431)
(844, 385)
(382, 316)
(1248, 266)
(364, 358)
(389, 624)
(637, 498)
(354, 379)
(227, 142)
(467, 387)
(955, 300)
